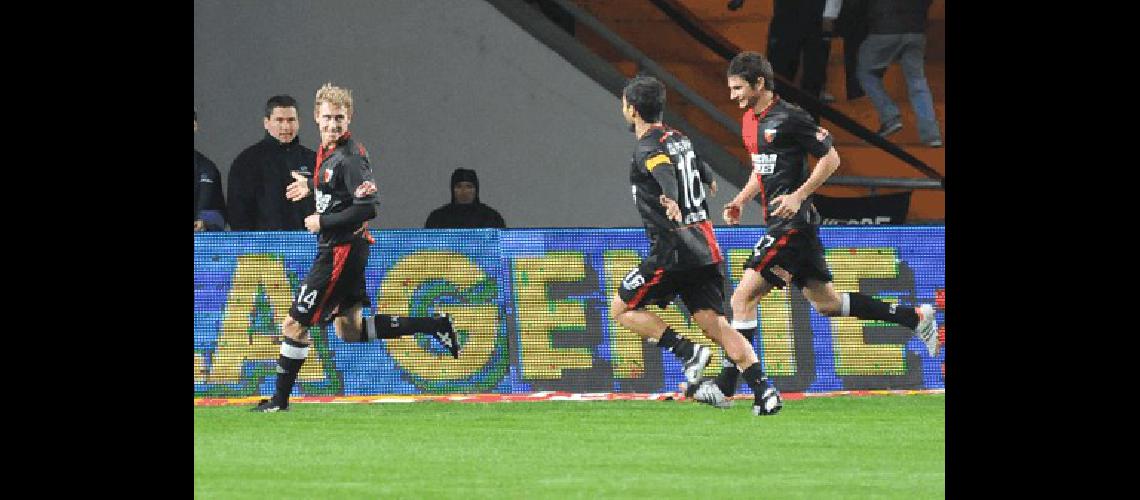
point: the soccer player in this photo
(346, 198)
(684, 258)
(778, 134)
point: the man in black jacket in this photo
(465, 209)
(209, 204)
(261, 173)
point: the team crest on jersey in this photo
(366, 188)
(764, 163)
(769, 135)
(328, 175)
(821, 133)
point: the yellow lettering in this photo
(538, 317)
(236, 344)
(480, 321)
(853, 356)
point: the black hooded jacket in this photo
(464, 215)
(257, 182)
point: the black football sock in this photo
(730, 374)
(676, 344)
(386, 326)
(865, 307)
(756, 380)
(293, 355)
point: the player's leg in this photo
(634, 292)
(390, 326)
(740, 351)
(303, 313)
(294, 350)
(352, 326)
(828, 302)
(744, 301)
(705, 297)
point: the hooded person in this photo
(465, 209)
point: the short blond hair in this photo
(336, 96)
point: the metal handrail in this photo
(643, 61)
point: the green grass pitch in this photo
(833, 447)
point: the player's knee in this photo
(740, 302)
(293, 329)
(347, 331)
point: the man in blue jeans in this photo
(897, 30)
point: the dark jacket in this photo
(464, 215)
(893, 17)
(209, 204)
(257, 183)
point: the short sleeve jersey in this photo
(779, 138)
(691, 243)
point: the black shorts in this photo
(335, 283)
(797, 251)
(700, 287)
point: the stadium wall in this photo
(531, 307)
(437, 85)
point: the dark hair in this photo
(751, 66)
(647, 95)
(279, 101)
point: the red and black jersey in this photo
(343, 177)
(779, 138)
(665, 163)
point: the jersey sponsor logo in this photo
(322, 200)
(821, 133)
(764, 163)
(769, 135)
(656, 160)
(633, 280)
(366, 188)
